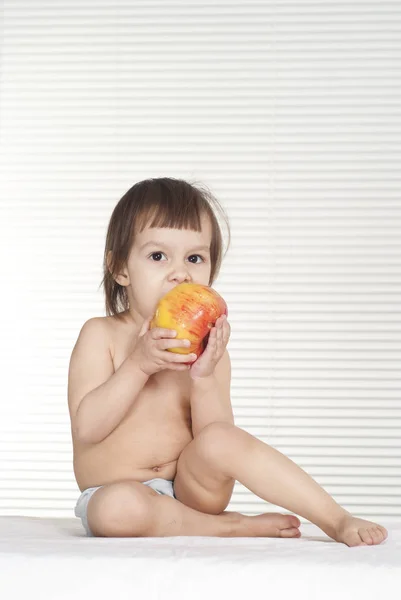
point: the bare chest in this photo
(161, 411)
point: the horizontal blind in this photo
(290, 113)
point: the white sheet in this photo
(52, 559)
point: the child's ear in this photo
(123, 277)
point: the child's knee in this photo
(121, 509)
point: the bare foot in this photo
(358, 532)
(267, 525)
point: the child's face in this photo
(153, 269)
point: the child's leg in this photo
(275, 478)
(131, 509)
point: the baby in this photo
(156, 451)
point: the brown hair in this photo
(162, 202)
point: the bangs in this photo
(162, 207)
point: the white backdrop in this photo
(290, 113)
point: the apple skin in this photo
(191, 309)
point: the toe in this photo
(290, 533)
(365, 536)
(289, 521)
(376, 534)
(354, 539)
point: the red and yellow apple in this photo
(191, 309)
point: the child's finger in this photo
(221, 331)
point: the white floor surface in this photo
(52, 559)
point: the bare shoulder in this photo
(94, 330)
(121, 334)
(109, 330)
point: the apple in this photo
(191, 309)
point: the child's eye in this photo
(194, 263)
(155, 253)
(203, 260)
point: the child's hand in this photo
(216, 345)
(151, 350)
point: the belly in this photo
(147, 444)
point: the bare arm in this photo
(98, 397)
(210, 397)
